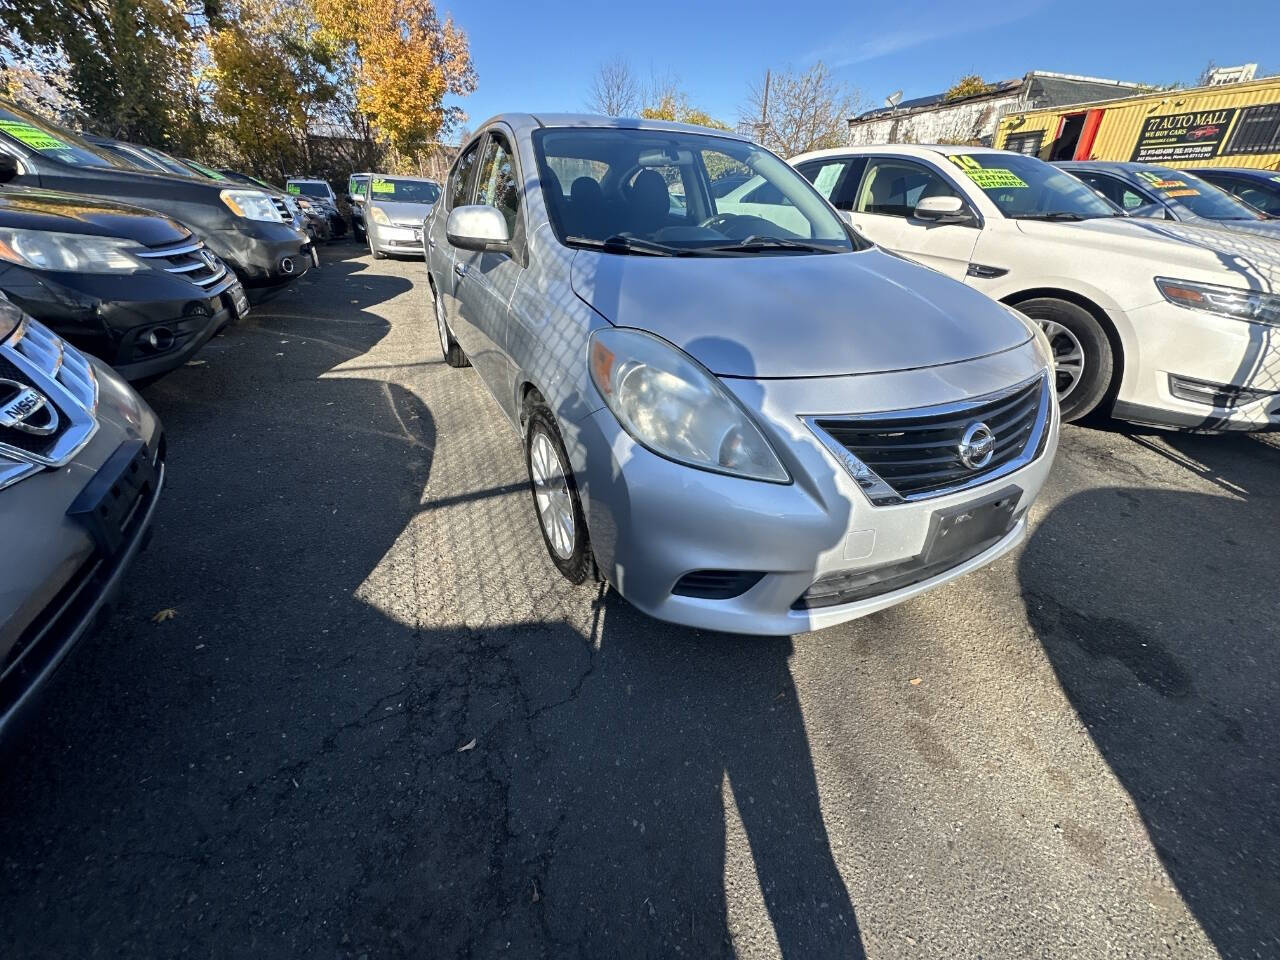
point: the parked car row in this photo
(388, 211)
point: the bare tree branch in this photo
(804, 110)
(614, 90)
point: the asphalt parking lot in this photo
(347, 708)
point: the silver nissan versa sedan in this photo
(738, 412)
(81, 466)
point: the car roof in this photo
(1116, 166)
(921, 150)
(525, 123)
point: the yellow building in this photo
(1231, 125)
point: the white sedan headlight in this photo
(1227, 301)
(69, 251)
(672, 405)
(251, 204)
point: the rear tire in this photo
(1083, 358)
(555, 498)
(449, 348)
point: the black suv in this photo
(133, 287)
(244, 227)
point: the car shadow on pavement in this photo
(1165, 644)
(271, 750)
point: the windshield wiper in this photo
(620, 244)
(755, 242)
(1059, 215)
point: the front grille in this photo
(915, 454)
(285, 213)
(716, 584)
(191, 259)
(35, 357)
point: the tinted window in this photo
(308, 188)
(894, 187)
(54, 142)
(498, 185)
(685, 192)
(1195, 196)
(461, 179)
(1117, 191)
(403, 191)
(836, 179)
(1026, 188)
(1266, 197)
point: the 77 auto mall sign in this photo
(1183, 136)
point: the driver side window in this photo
(893, 187)
(461, 177)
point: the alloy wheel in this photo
(1068, 357)
(551, 492)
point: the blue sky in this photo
(542, 55)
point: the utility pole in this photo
(764, 108)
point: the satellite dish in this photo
(893, 99)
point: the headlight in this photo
(69, 251)
(250, 204)
(1226, 301)
(673, 406)
(379, 216)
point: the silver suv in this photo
(743, 414)
(81, 467)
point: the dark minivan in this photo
(244, 227)
(132, 287)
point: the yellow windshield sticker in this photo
(33, 137)
(988, 178)
(383, 186)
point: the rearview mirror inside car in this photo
(941, 210)
(478, 227)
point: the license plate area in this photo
(109, 504)
(237, 300)
(964, 531)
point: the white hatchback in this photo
(1171, 324)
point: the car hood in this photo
(1261, 228)
(413, 213)
(1213, 253)
(23, 208)
(798, 315)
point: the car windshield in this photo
(209, 172)
(309, 188)
(1188, 192)
(52, 141)
(659, 193)
(403, 191)
(1025, 188)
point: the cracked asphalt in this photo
(380, 725)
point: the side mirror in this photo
(941, 210)
(478, 227)
(8, 167)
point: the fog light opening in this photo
(159, 339)
(286, 265)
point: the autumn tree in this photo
(614, 92)
(402, 61)
(970, 85)
(665, 100)
(800, 111)
(128, 63)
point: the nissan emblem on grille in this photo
(977, 446)
(25, 409)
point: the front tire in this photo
(555, 497)
(377, 254)
(449, 348)
(1084, 363)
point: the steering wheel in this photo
(739, 226)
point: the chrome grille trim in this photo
(186, 257)
(932, 476)
(63, 374)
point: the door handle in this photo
(431, 243)
(460, 269)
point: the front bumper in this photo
(652, 521)
(50, 599)
(258, 252)
(1172, 341)
(112, 316)
(395, 239)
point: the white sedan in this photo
(1169, 324)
